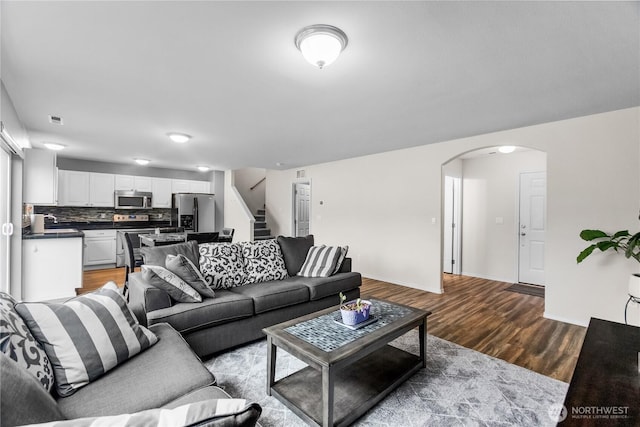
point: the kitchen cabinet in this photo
(52, 268)
(133, 183)
(40, 177)
(161, 189)
(77, 188)
(189, 186)
(99, 247)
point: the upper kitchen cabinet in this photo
(40, 177)
(78, 188)
(133, 183)
(189, 186)
(161, 189)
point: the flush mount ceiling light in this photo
(142, 162)
(321, 44)
(203, 168)
(180, 138)
(54, 146)
(506, 149)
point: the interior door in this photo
(5, 219)
(301, 206)
(451, 225)
(533, 222)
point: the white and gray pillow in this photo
(182, 266)
(321, 261)
(161, 278)
(263, 261)
(17, 343)
(343, 254)
(86, 336)
(222, 264)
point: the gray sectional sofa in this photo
(237, 314)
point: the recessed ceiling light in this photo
(180, 138)
(142, 161)
(506, 149)
(56, 120)
(203, 168)
(54, 146)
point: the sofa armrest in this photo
(144, 298)
(346, 266)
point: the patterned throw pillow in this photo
(212, 413)
(222, 265)
(321, 261)
(343, 255)
(161, 278)
(86, 336)
(18, 344)
(187, 271)
(263, 261)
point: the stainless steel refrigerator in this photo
(195, 211)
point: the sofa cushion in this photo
(156, 255)
(294, 250)
(17, 342)
(224, 307)
(161, 278)
(210, 413)
(23, 400)
(187, 271)
(204, 393)
(263, 261)
(165, 372)
(275, 294)
(321, 261)
(222, 265)
(86, 336)
(320, 287)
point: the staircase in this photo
(260, 230)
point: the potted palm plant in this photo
(621, 242)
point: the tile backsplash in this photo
(80, 214)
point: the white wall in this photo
(247, 178)
(236, 213)
(382, 207)
(490, 191)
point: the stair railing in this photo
(258, 183)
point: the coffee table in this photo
(349, 370)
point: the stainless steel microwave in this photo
(126, 199)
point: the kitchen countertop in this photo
(62, 234)
(101, 225)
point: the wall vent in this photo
(301, 174)
(56, 120)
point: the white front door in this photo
(451, 226)
(301, 206)
(533, 222)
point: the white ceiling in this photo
(123, 74)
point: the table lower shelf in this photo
(358, 387)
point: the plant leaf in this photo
(607, 244)
(621, 234)
(589, 235)
(585, 253)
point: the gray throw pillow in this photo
(86, 336)
(161, 278)
(321, 261)
(294, 250)
(157, 255)
(187, 271)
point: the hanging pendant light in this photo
(321, 44)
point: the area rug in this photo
(521, 288)
(459, 387)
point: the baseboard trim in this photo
(483, 276)
(549, 316)
(408, 285)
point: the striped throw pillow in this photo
(86, 336)
(321, 261)
(212, 413)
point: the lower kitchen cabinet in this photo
(52, 268)
(99, 247)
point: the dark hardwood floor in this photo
(472, 312)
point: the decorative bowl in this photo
(352, 316)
